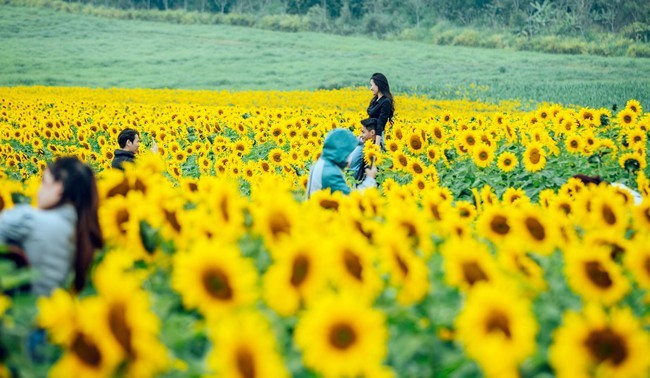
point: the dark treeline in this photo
(630, 18)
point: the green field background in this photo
(45, 47)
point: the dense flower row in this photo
(477, 252)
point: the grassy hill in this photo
(43, 47)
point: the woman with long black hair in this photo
(382, 105)
(63, 233)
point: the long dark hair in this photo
(80, 190)
(381, 82)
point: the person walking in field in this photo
(382, 105)
(327, 172)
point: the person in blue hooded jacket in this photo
(327, 172)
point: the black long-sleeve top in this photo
(382, 109)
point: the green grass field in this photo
(43, 47)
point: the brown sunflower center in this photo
(353, 264)
(437, 133)
(299, 270)
(598, 275)
(473, 273)
(535, 156)
(608, 215)
(416, 144)
(535, 228)
(498, 322)
(223, 206)
(606, 345)
(121, 218)
(119, 190)
(646, 265)
(172, 219)
(86, 350)
(120, 328)
(499, 225)
(329, 204)
(279, 224)
(483, 156)
(401, 264)
(342, 336)
(245, 363)
(217, 284)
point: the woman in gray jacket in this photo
(63, 233)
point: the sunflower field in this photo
(477, 255)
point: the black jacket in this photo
(121, 157)
(382, 109)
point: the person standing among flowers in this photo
(382, 105)
(63, 233)
(357, 163)
(327, 172)
(129, 142)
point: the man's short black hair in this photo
(370, 124)
(126, 134)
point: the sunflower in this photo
(573, 144)
(513, 259)
(595, 343)
(495, 223)
(276, 157)
(515, 196)
(214, 278)
(414, 143)
(592, 274)
(297, 276)
(498, 329)
(134, 327)
(537, 232)
(482, 155)
(607, 210)
(433, 153)
(400, 160)
(467, 263)
(632, 161)
(438, 133)
(507, 161)
(371, 153)
(243, 346)
(626, 117)
(466, 210)
(634, 106)
(275, 218)
(468, 139)
(415, 167)
(408, 272)
(341, 336)
(89, 348)
(535, 157)
(353, 268)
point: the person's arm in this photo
(14, 224)
(369, 181)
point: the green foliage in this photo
(547, 26)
